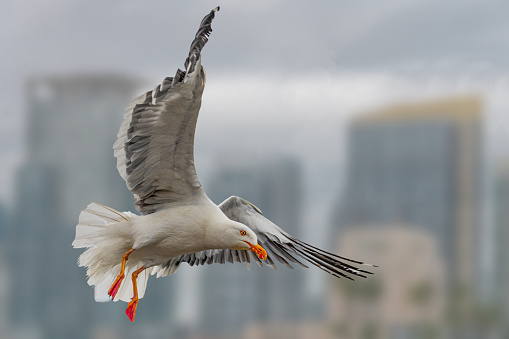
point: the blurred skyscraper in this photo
(232, 296)
(4, 221)
(72, 124)
(406, 296)
(500, 292)
(419, 164)
(4, 272)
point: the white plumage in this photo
(178, 222)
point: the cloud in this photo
(268, 36)
(307, 116)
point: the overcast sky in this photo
(263, 35)
(272, 65)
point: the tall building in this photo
(500, 291)
(419, 164)
(232, 296)
(4, 272)
(72, 124)
(4, 221)
(405, 298)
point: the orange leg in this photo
(116, 284)
(131, 307)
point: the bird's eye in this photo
(243, 232)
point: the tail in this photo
(106, 234)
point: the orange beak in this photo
(260, 252)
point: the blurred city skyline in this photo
(326, 61)
(402, 156)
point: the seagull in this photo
(178, 222)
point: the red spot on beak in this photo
(260, 251)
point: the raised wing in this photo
(154, 147)
(280, 247)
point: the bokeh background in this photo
(375, 130)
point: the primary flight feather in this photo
(178, 222)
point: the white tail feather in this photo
(106, 234)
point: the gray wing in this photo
(154, 147)
(280, 247)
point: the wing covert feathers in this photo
(154, 147)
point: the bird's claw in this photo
(115, 286)
(131, 309)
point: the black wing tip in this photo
(329, 253)
(201, 38)
(329, 262)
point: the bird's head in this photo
(241, 237)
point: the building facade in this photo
(233, 297)
(419, 164)
(71, 126)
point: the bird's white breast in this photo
(178, 230)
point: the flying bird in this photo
(178, 222)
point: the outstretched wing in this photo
(154, 147)
(280, 247)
